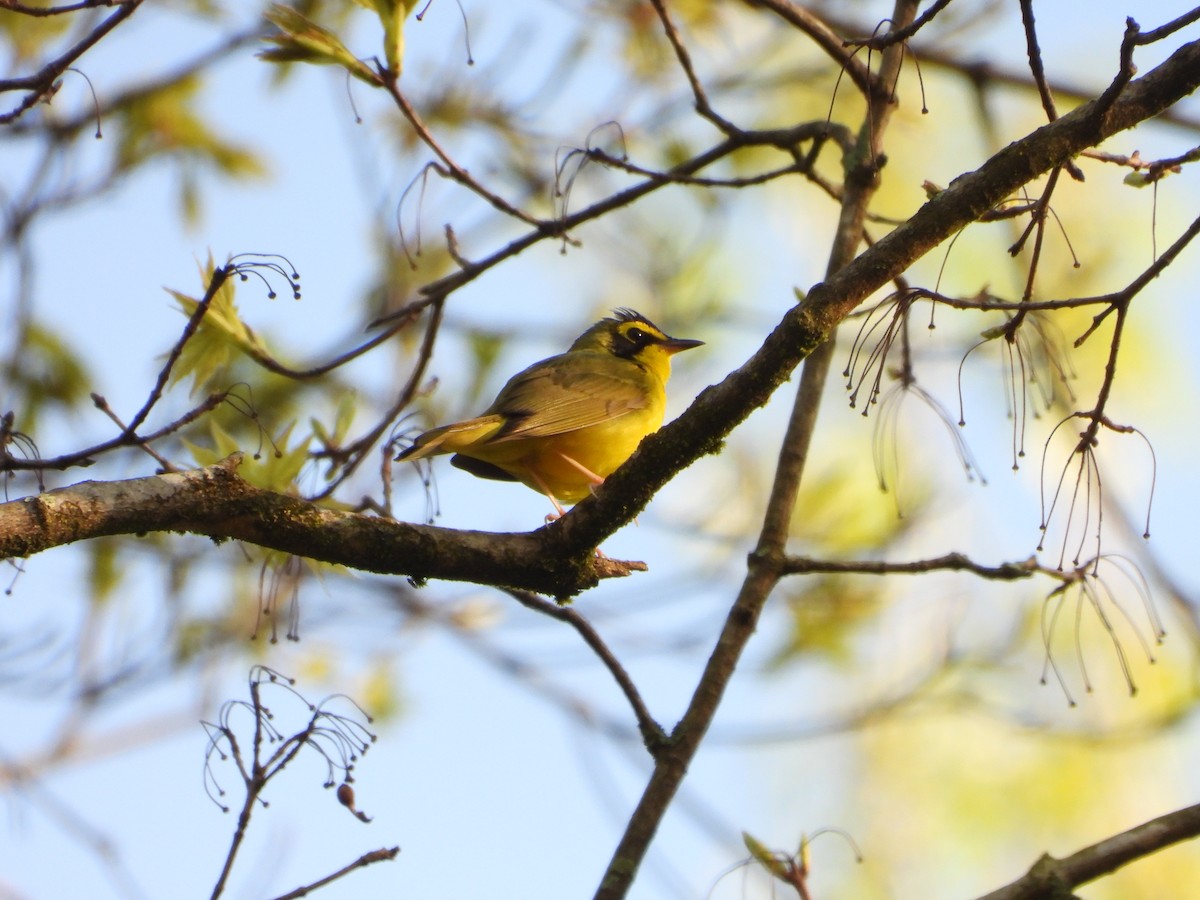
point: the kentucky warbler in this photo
(565, 423)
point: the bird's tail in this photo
(452, 438)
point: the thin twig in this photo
(703, 106)
(824, 37)
(897, 35)
(41, 84)
(1050, 878)
(453, 169)
(652, 733)
(384, 854)
(955, 562)
(1157, 34)
(219, 276)
(353, 455)
(87, 456)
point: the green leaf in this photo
(347, 407)
(45, 373)
(343, 419)
(990, 334)
(273, 471)
(392, 14)
(302, 40)
(164, 123)
(277, 470)
(218, 339)
(223, 444)
(104, 572)
(485, 351)
(378, 691)
(826, 616)
(28, 39)
(768, 859)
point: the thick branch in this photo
(218, 503)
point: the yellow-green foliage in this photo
(275, 470)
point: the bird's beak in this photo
(675, 345)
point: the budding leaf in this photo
(990, 334)
(302, 40)
(765, 857)
(392, 14)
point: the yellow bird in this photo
(566, 423)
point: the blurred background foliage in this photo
(904, 709)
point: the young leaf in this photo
(392, 14)
(209, 352)
(302, 40)
(764, 857)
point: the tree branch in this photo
(1052, 878)
(824, 37)
(218, 503)
(652, 733)
(41, 83)
(953, 562)
(383, 854)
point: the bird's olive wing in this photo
(554, 399)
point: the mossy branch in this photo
(220, 504)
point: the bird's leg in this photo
(559, 511)
(587, 473)
(595, 479)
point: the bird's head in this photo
(630, 335)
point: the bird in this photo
(565, 423)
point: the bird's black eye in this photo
(628, 342)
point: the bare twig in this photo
(954, 562)
(219, 276)
(1157, 34)
(87, 457)
(824, 37)
(41, 84)
(703, 106)
(352, 456)
(898, 35)
(1039, 75)
(652, 733)
(452, 169)
(384, 854)
(337, 738)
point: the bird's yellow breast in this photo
(599, 448)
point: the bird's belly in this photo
(599, 448)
